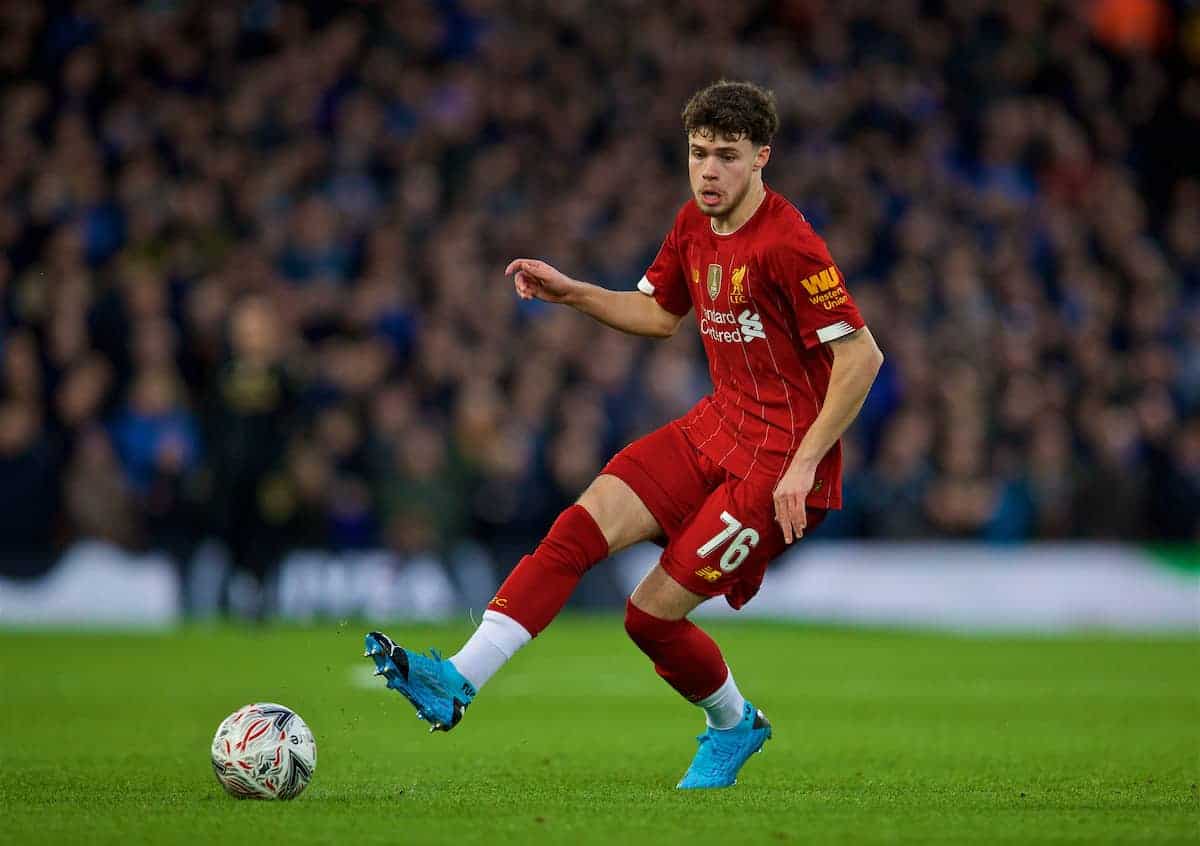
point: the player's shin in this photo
(690, 661)
(533, 594)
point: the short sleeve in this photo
(822, 306)
(665, 279)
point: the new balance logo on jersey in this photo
(751, 325)
(724, 328)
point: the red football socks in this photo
(539, 586)
(687, 658)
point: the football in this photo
(264, 751)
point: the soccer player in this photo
(727, 487)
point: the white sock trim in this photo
(487, 650)
(723, 708)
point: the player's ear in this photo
(761, 157)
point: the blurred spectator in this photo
(894, 488)
(155, 434)
(260, 249)
(28, 490)
(423, 496)
(157, 439)
(99, 502)
(251, 418)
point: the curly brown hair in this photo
(733, 109)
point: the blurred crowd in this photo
(251, 261)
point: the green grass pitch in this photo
(879, 737)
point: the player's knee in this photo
(621, 516)
(602, 499)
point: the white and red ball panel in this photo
(264, 751)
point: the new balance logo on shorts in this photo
(709, 574)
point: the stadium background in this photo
(251, 302)
(252, 312)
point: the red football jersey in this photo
(768, 299)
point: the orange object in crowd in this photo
(1131, 25)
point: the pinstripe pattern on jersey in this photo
(772, 415)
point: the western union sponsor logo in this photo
(826, 280)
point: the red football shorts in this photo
(720, 530)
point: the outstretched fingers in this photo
(791, 516)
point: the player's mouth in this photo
(710, 197)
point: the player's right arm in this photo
(630, 311)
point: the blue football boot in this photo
(432, 684)
(722, 752)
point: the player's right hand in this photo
(537, 280)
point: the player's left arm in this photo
(856, 361)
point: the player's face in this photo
(721, 169)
